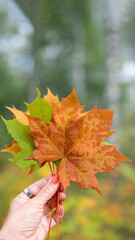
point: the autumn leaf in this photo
(75, 138)
(13, 148)
(66, 112)
(20, 133)
(19, 115)
(82, 169)
(48, 140)
(40, 108)
(51, 99)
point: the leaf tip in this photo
(48, 90)
(95, 107)
(99, 192)
(27, 104)
(4, 120)
(74, 91)
(38, 92)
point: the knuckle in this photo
(12, 202)
(47, 190)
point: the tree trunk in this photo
(31, 9)
(113, 10)
(112, 89)
(78, 73)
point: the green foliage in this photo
(40, 109)
(20, 133)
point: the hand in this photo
(27, 217)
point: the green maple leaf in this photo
(40, 108)
(20, 133)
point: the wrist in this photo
(7, 233)
(4, 235)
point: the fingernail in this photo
(61, 203)
(55, 179)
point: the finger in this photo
(53, 200)
(55, 216)
(35, 188)
(48, 191)
(52, 203)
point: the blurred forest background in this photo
(88, 45)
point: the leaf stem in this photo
(50, 223)
(51, 169)
(57, 214)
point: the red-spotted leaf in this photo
(76, 138)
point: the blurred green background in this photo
(90, 46)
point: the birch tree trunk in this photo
(31, 9)
(35, 80)
(112, 90)
(78, 73)
(113, 10)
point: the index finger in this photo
(36, 187)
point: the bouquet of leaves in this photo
(60, 134)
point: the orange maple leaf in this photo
(13, 148)
(19, 115)
(51, 99)
(75, 138)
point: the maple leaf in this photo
(65, 112)
(24, 146)
(13, 148)
(40, 108)
(19, 115)
(69, 137)
(48, 140)
(76, 139)
(51, 99)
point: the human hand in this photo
(27, 217)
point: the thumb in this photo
(48, 190)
